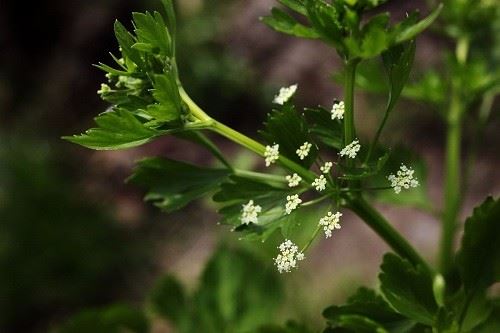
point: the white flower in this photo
(250, 213)
(285, 94)
(338, 110)
(303, 150)
(351, 150)
(330, 222)
(288, 256)
(104, 89)
(403, 179)
(293, 180)
(272, 154)
(327, 167)
(320, 183)
(292, 202)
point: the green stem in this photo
(350, 77)
(260, 176)
(452, 188)
(390, 235)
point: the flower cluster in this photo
(319, 183)
(338, 110)
(292, 202)
(326, 168)
(351, 150)
(303, 150)
(285, 94)
(403, 179)
(330, 222)
(272, 154)
(293, 180)
(288, 256)
(250, 212)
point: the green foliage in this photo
(408, 289)
(113, 319)
(325, 130)
(286, 127)
(172, 184)
(339, 24)
(478, 257)
(118, 129)
(235, 295)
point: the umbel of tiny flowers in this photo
(319, 183)
(250, 213)
(403, 179)
(285, 94)
(351, 150)
(338, 110)
(326, 168)
(292, 202)
(330, 222)
(293, 180)
(303, 150)
(272, 154)
(288, 256)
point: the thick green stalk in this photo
(452, 189)
(390, 235)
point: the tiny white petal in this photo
(330, 222)
(403, 179)
(285, 94)
(327, 167)
(250, 212)
(319, 183)
(338, 110)
(293, 180)
(303, 150)
(272, 154)
(292, 202)
(287, 259)
(351, 150)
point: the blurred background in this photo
(74, 236)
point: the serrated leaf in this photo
(126, 40)
(408, 289)
(113, 319)
(324, 129)
(173, 184)
(282, 22)
(166, 92)
(151, 29)
(235, 292)
(324, 17)
(295, 5)
(286, 127)
(168, 300)
(118, 129)
(398, 61)
(479, 256)
(406, 32)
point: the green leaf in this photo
(492, 324)
(416, 197)
(296, 5)
(166, 92)
(114, 319)
(479, 256)
(324, 17)
(168, 300)
(172, 184)
(286, 127)
(237, 294)
(429, 88)
(324, 129)
(405, 32)
(118, 129)
(151, 29)
(408, 289)
(282, 22)
(398, 61)
(126, 40)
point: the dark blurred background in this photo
(73, 235)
